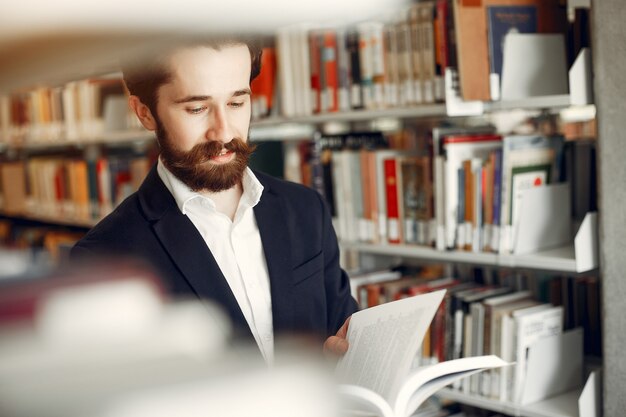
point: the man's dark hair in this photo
(144, 73)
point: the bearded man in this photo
(262, 248)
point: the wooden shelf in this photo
(558, 259)
(564, 405)
(120, 138)
(61, 220)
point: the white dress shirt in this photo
(237, 249)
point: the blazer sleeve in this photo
(340, 302)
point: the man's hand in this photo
(338, 345)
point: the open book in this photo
(384, 340)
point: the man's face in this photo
(203, 116)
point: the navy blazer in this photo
(310, 292)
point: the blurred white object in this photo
(18, 262)
(286, 391)
(108, 344)
(33, 16)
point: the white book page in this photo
(383, 342)
(425, 381)
(362, 401)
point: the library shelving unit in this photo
(561, 259)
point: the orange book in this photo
(263, 85)
(81, 182)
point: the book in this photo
(501, 21)
(376, 372)
(527, 160)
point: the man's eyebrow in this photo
(242, 92)
(191, 99)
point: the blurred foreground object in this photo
(99, 340)
(68, 39)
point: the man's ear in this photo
(143, 113)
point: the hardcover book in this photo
(502, 20)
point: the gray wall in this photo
(609, 60)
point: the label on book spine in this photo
(409, 229)
(394, 231)
(440, 88)
(382, 227)
(355, 96)
(407, 95)
(379, 95)
(417, 92)
(363, 230)
(429, 91)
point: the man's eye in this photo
(236, 104)
(196, 110)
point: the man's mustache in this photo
(203, 152)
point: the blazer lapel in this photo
(187, 248)
(270, 215)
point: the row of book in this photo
(476, 319)
(70, 187)
(371, 65)
(463, 191)
(78, 110)
(403, 60)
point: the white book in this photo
(384, 340)
(528, 329)
(285, 73)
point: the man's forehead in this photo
(227, 68)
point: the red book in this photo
(393, 205)
(471, 138)
(315, 64)
(59, 184)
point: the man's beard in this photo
(194, 169)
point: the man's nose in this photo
(219, 128)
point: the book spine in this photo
(315, 62)
(393, 208)
(356, 91)
(329, 65)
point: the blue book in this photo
(497, 189)
(507, 19)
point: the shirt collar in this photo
(252, 188)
